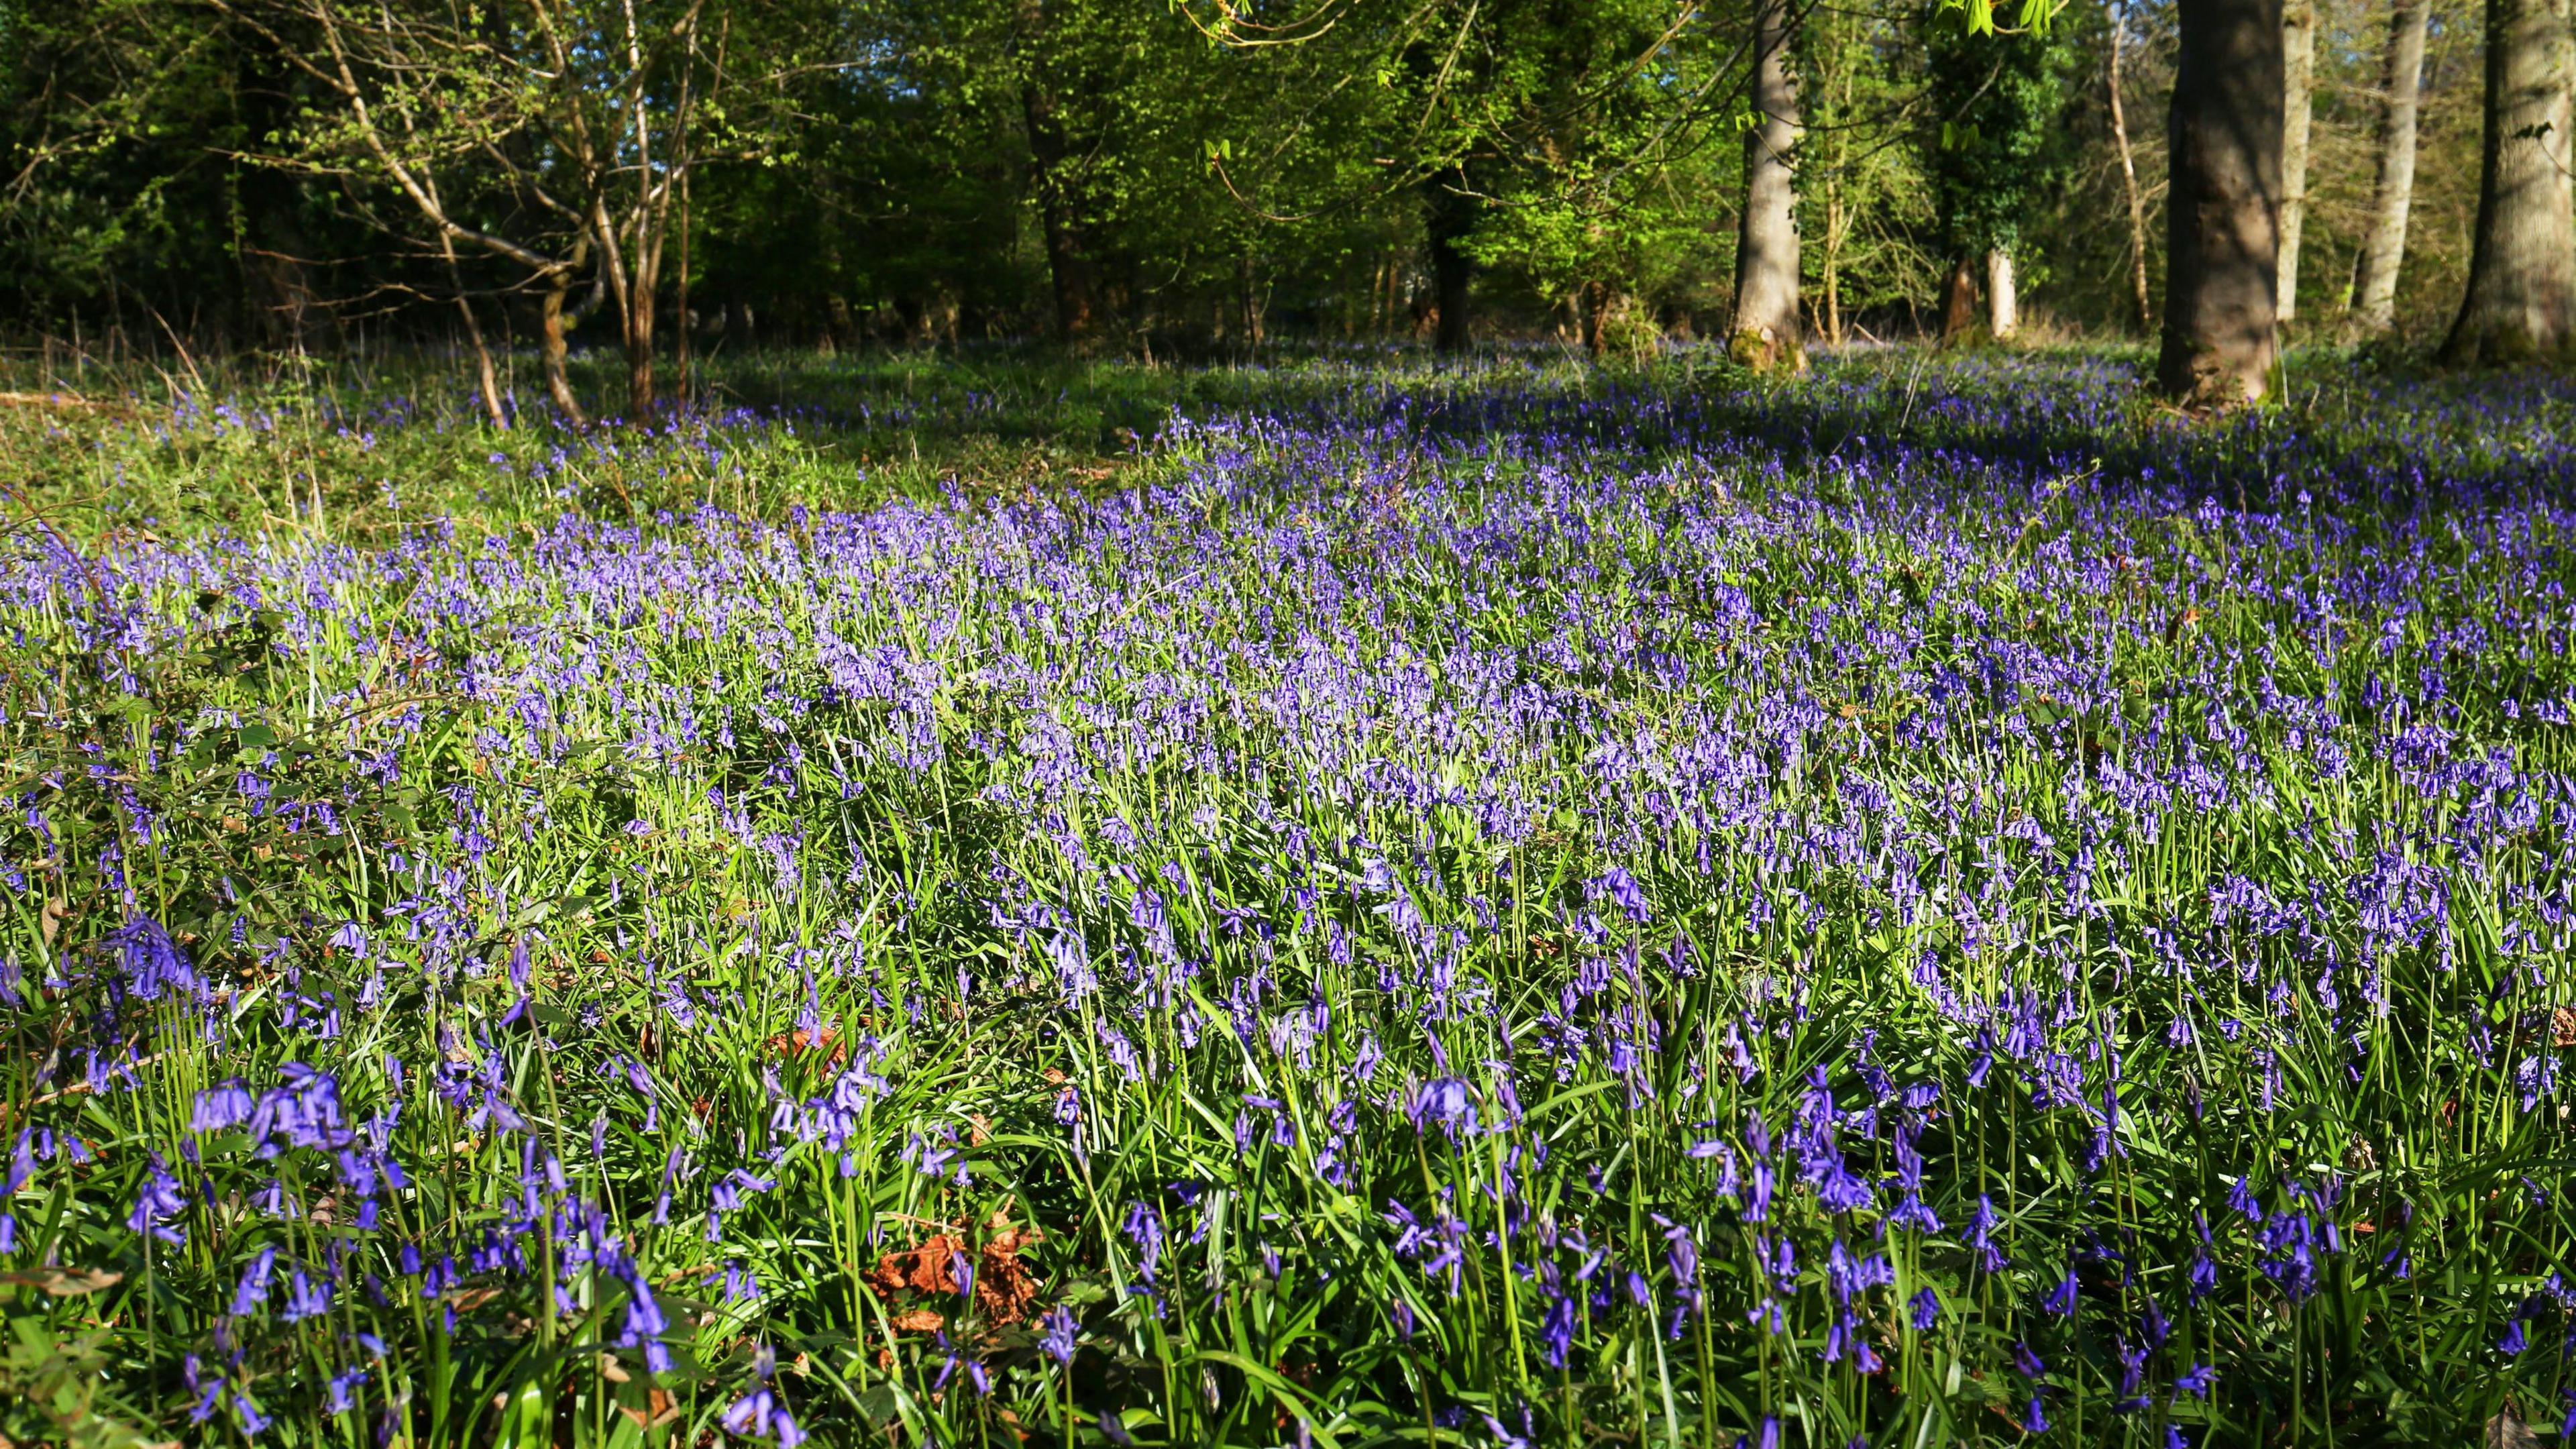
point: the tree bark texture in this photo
(487, 383)
(1594, 299)
(1451, 216)
(2221, 340)
(2298, 70)
(681, 318)
(1068, 267)
(2521, 303)
(640, 397)
(2129, 179)
(551, 346)
(1959, 303)
(2003, 299)
(1765, 331)
(2383, 247)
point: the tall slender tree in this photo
(1449, 217)
(1765, 332)
(2221, 342)
(2383, 246)
(2521, 302)
(1996, 145)
(2298, 72)
(2130, 191)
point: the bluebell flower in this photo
(252, 1290)
(2061, 1300)
(1060, 1329)
(159, 1201)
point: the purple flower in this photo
(1060, 1331)
(1145, 1229)
(1446, 1101)
(760, 1415)
(159, 1201)
(2061, 1299)
(1556, 1331)
(252, 1291)
(227, 1104)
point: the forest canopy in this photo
(1187, 177)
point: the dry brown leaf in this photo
(926, 1269)
(64, 1283)
(660, 1408)
(801, 1041)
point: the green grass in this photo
(1368, 840)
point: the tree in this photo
(1597, 178)
(2521, 302)
(1057, 164)
(2383, 248)
(2221, 340)
(120, 196)
(1765, 330)
(572, 125)
(2118, 17)
(2298, 69)
(1866, 209)
(1995, 147)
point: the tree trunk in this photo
(1065, 264)
(2003, 301)
(1834, 229)
(640, 400)
(2129, 179)
(1451, 216)
(551, 344)
(2298, 66)
(550, 337)
(1765, 331)
(2222, 219)
(1248, 284)
(1595, 299)
(1959, 304)
(1068, 265)
(2522, 263)
(2383, 248)
(486, 383)
(680, 308)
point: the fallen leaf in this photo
(660, 1408)
(64, 1283)
(2507, 1431)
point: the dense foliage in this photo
(884, 170)
(1524, 906)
